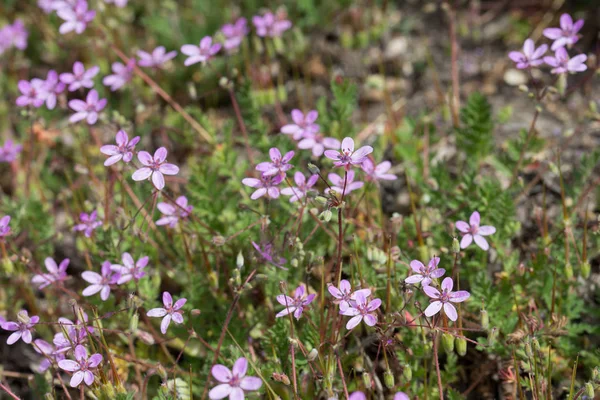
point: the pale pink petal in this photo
(221, 373)
(220, 391)
(486, 230)
(466, 241)
(240, 367)
(450, 311)
(251, 383)
(447, 284)
(481, 242)
(433, 308)
(353, 322)
(157, 312)
(164, 325)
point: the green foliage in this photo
(475, 136)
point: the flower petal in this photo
(433, 308)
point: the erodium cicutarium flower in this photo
(88, 109)
(100, 283)
(566, 35)
(344, 295)
(76, 18)
(201, 53)
(9, 151)
(425, 274)
(4, 227)
(122, 73)
(155, 167)
(170, 312)
(341, 182)
(530, 57)
(562, 64)
(56, 273)
(347, 156)
(265, 185)
(472, 231)
(130, 269)
(82, 367)
(156, 59)
(303, 186)
(234, 34)
(233, 383)
(379, 172)
(88, 223)
(294, 305)
(80, 78)
(122, 151)
(279, 164)
(303, 126)
(361, 309)
(444, 299)
(270, 25)
(22, 328)
(173, 213)
(267, 252)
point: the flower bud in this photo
(455, 245)
(569, 271)
(321, 200)
(325, 216)
(528, 350)
(133, 322)
(312, 355)
(448, 342)
(407, 372)
(461, 346)
(239, 261)
(485, 319)
(585, 270)
(589, 390)
(313, 168)
(219, 240)
(492, 335)
(388, 379)
(367, 381)
(596, 374)
(294, 262)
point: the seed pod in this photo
(528, 350)
(569, 270)
(239, 261)
(312, 355)
(313, 168)
(388, 379)
(589, 390)
(485, 319)
(585, 270)
(448, 342)
(285, 379)
(407, 372)
(536, 345)
(133, 323)
(325, 216)
(492, 335)
(367, 380)
(461, 346)
(596, 374)
(455, 245)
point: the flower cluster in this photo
(114, 274)
(356, 304)
(9, 151)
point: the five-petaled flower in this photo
(295, 305)
(344, 295)
(100, 283)
(269, 25)
(563, 64)
(122, 151)
(302, 187)
(9, 151)
(49, 353)
(76, 18)
(156, 59)
(343, 184)
(82, 366)
(4, 227)
(267, 252)
(80, 78)
(379, 172)
(169, 312)
(265, 185)
(234, 34)
(361, 309)
(53, 87)
(88, 223)
(278, 165)
(347, 156)
(566, 35)
(155, 167)
(318, 143)
(530, 57)
(56, 273)
(444, 298)
(88, 109)
(130, 269)
(122, 73)
(202, 53)
(21, 329)
(173, 213)
(32, 93)
(472, 231)
(303, 126)
(425, 274)
(233, 382)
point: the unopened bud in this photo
(461, 346)
(219, 240)
(492, 335)
(407, 372)
(388, 379)
(536, 345)
(455, 245)
(596, 374)
(585, 270)
(313, 168)
(485, 319)
(312, 355)
(589, 390)
(325, 216)
(162, 372)
(321, 200)
(448, 342)
(523, 88)
(528, 350)
(569, 270)
(294, 262)
(367, 381)
(239, 261)
(133, 323)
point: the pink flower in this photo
(53, 87)
(130, 268)
(56, 273)
(278, 164)
(155, 167)
(88, 223)
(302, 186)
(270, 26)
(401, 396)
(118, 3)
(361, 309)
(318, 143)
(530, 57)
(379, 172)
(472, 231)
(339, 182)
(295, 305)
(22, 329)
(425, 274)
(49, 353)
(122, 151)
(347, 156)
(566, 34)
(267, 253)
(358, 395)
(169, 312)
(202, 53)
(234, 382)
(265, 185)
(76, 18)
(100, 283)
(563, 64)
(121, 75)
(344, 295)
(444, 298)
(172, 214)
(88, 109)
(4, 227)
(80, 77)
(32, 93)
(234, 34)
(303, 125)
(158, 57)
(14, 35)
(76, 334)
(82, 367)
(9, 151)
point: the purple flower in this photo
(318, 143)
(118, 3)
(76, 334)
(379, 172)
(100, 283)
(22, 328)
(444, 298)
(358, 395)
(347, 156)
(122, 151)
(81, 367)
(344, 295)
(87, 109)
(169, 312)
(130, 268)
(566, 34)
(4, 226)
(32, 93)
(563, 64)
(56, 273)
(80, 77)
(121, 75)
(302, 186)
(201, 53)
(172, 214)
(295, 305)
(267, 253)
(156, 59)
(278, 164)
(76, 18)
(48, 351)
(339, 182)
(425, 274)
(88, 223)
(401, 396)
(9, 151)
(14, 35)
(530, 57)
(155, 167)
(472, 231)
(270, 26)
(53, 87)
(234, 382)
(360, 309)
(234, 34)
(303, 126)
(265, 185)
